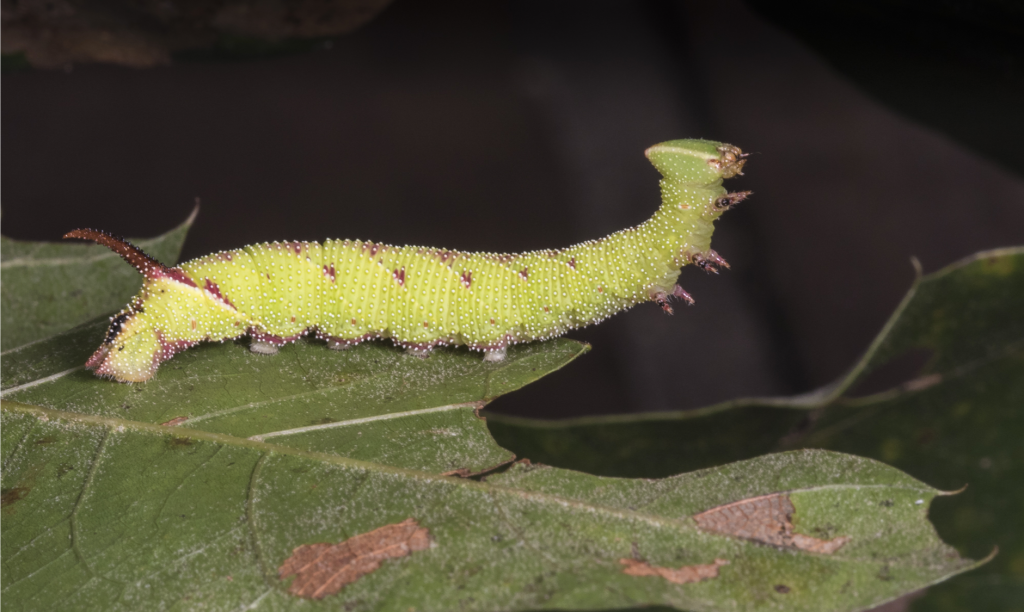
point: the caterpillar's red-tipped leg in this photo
(681, 293)
(661, 299)
(732, 199)
(709, 261)
(717, 259)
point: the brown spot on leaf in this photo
(682, 575)
(175, 421)
(781, 588)
(9, 496)
(178, 442)
(766, 519)
(323, 569)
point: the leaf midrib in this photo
(370, 419)
(1013, 349)
(267, 449)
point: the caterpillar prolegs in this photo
(348, 291)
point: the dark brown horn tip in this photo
(83, 232)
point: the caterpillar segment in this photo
(349, 291)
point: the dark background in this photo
(510, 126)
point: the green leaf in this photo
(956, 421)
(371, 402)
(110, 514)
(51, 287)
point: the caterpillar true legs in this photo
(348, 291)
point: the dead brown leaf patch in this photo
(323, 569)
(10, 496)
(766, 519)
(681, 575)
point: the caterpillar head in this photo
(135, 345)
(696, 161)
(693, 172)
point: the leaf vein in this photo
(76, 536)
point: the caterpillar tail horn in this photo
(135, 344)
(146, 265)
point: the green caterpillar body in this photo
(348, 291)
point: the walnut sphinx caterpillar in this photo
(347, 291)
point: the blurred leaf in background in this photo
(59, 33)
(957, 66)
